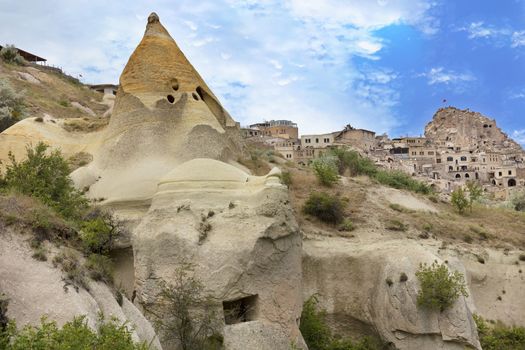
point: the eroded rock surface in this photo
(362, 289)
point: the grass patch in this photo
(396, 225)
(400, 208)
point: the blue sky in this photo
(383, 65)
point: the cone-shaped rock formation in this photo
(164, 115)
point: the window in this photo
(316, 140)
(240, 310)
(510, 172)
(421, 153)
(438, 160)
(414, 153)
(500, 173)
(326, 140)
(450, 159)
(463, 159)
(430, 153)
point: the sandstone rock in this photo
(164, 115)
(243, 255)
(84, 109)
(352, 285)
(36, 288)
(28, 77)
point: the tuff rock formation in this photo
(468, 130)
(363, 292)
(164, 115)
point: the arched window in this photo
(458, 176)
(512, 182)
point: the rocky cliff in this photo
(468, 130)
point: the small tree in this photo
(440, 288)
(10, 54)
(187, 317)
(459, 200)
(326, 170)
(313, 326)
(99, 229)
(518, 201)
(11, 105)
(45, 175)
(475, 192)
(325, 207)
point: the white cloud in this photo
(518, 39)
(481, 30)
(440, 75)
(519, 136)
(264, 59)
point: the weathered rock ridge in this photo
(468, 130)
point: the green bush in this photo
(325, 207)
(459, 200)
(440, 288)
(500, 337)
(286, 178)
(313, 326)
(10, 54)
(475, 192)
(4, 321)
(401, 180)
(518, 201)
(75, 334)
(45, 175)
(318, 335)
(11, 105)
(354, 163)
(98, 233)
(347, 225)
(187, 318)
(396, 225)
(100, 268)
(325, 168)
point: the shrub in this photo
(318, 336)
(10, 54)
(518, 201)
(46, 177)
(459, 200)
(4, 303)
(401, 180)
(69, 263)
(286, 178)
(347, 225)
(354, 163)
(64, 103)
(475, 192)
(40, 254)
(187, 318)
(499, 337)
(11, 105)
(100, 268)
(325, 207)
(400, 208)
(440, 288)
(325, 168)
(396, 225)
(75, 334)
(99, 231)
(313, 326)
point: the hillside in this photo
(160, 216)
